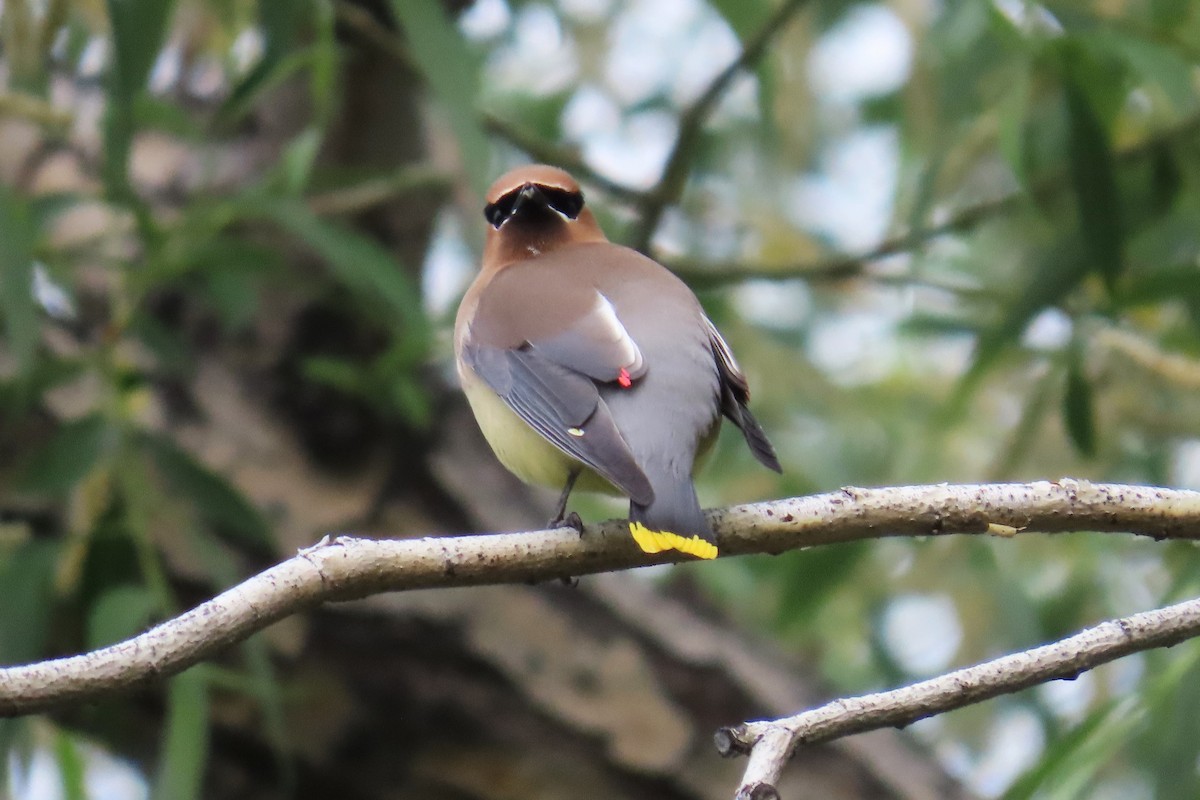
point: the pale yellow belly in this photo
(531, 457)
(521, 449)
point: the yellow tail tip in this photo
(652, 541)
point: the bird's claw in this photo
(570, 520)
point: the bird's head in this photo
(533, 209)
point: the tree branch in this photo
(1174, 368)
(853, 265)
(348, 568)
(560, 155)
(691, 121)
(1064, 659)
(379, 190)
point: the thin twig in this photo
(1175, 368)
(561, 156)
(1064, 659)
(349, 568)
(367, 26)
(376, 191)
(691, 122)
(853, 265)
(843, 267)
(654, 202)
(35, 109)
(364, 23)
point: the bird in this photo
(589, 365)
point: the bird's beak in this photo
(528, 198)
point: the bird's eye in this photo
(495, 213)
(565, 202)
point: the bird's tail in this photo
(673, 520)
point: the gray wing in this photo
(564, 406)
(735, 394)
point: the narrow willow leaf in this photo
(138, 29)
(1172, 282)
(263, 682)
(68, 456)
(452, 70)
(280, 22)
(1079, 407)
(119, 613)
(363, 266)
(1014, 109)
(16, 277)
(1057, 272)
(744, 16)
(217, 501)
(27, 575)
(72, 769)
(1166, 179)
(812, 576)
(1093, 178)
(1154, 62)
(1077, 755)
(184, 753)
(932, 324)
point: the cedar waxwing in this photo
(586, 360)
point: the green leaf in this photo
(296, 165)
(1089, 101)
(1057, 272)
(118, 614)
(324, 73)
(335, 373)
(118, 141)
(159, 114)
(45, 208)
(217, 502)
(452, 71)
(16, 740)
(1153, 62)
(20, 394)
(1079, 412)
(280, 22)
(410, 398)
(363, 266)
(138, 28)
(746, 17)
(68, 456)
(1013, 111)
(184, 753)
(1166, 179)
(16, 276)
(1180, 282)
(810, 576)
(27, 575)
(263, 682)
(1175, 752)
(931, 324)
(269, 693)
(1093, 177)
(235, 296)
(72, 768)
(1074, 757)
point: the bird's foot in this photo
(571, 520)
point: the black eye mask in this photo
(565, 202)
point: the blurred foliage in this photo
(1020, 300)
